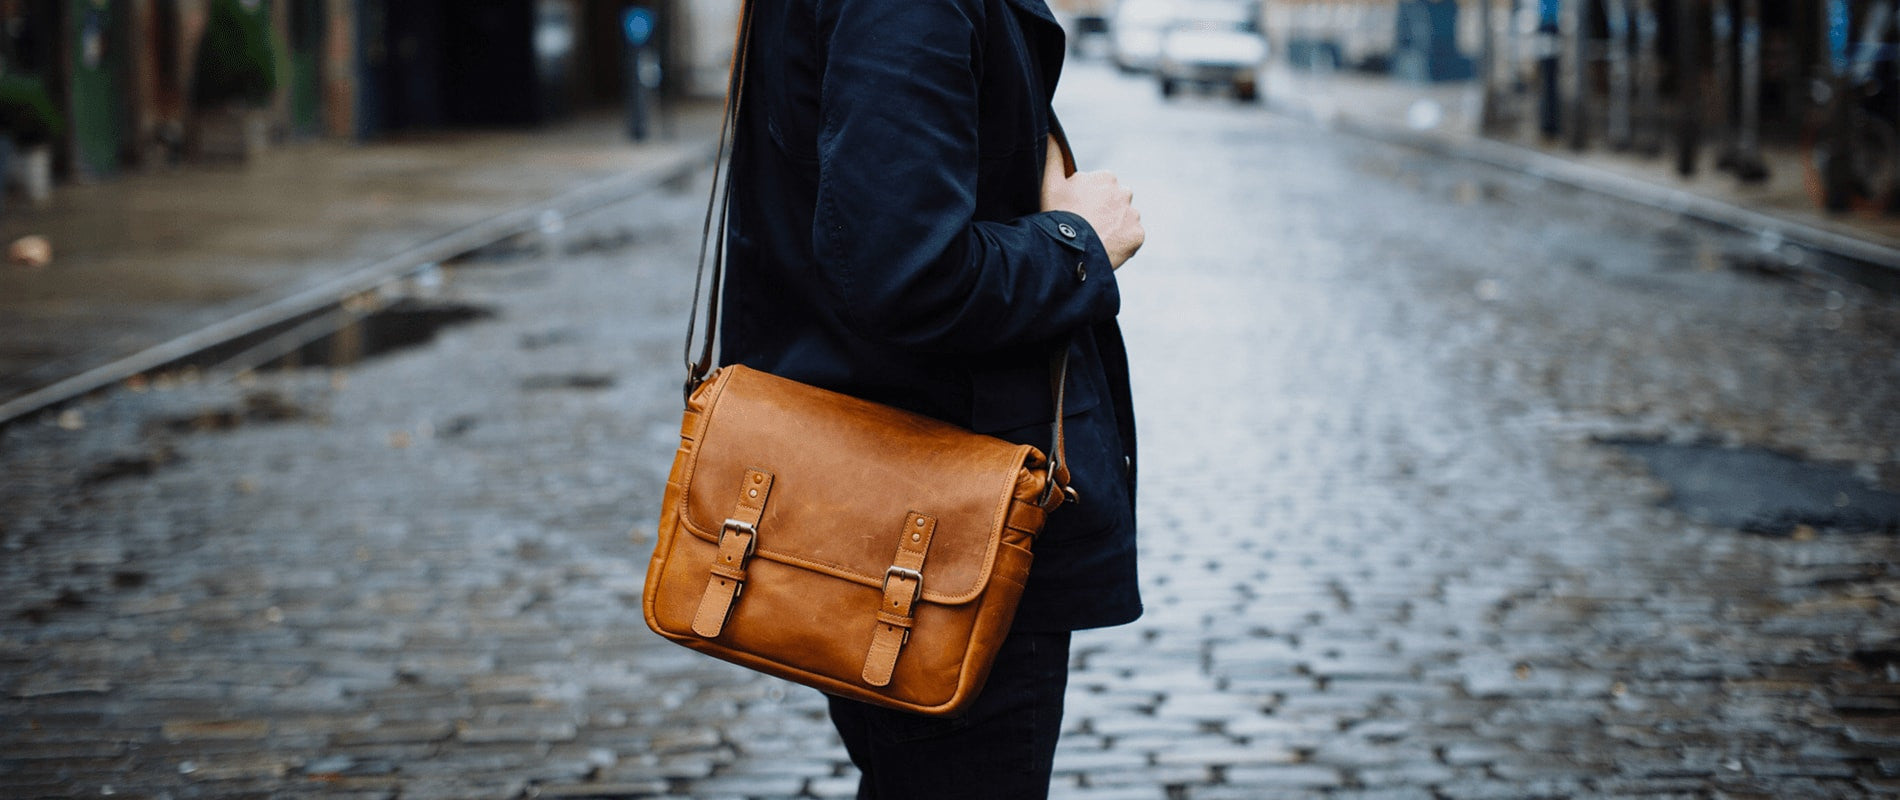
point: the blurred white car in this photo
(1215, 44)
(1084, 21)
(1134, 33)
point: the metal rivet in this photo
(916, 537)
(753, 493)
(758, 478)
(920, 522)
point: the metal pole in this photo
(1549, 96)
(1831, 148)
(1513, 58)
(1648, 77)
(1617, 13)
(1576, 77)
(1748, 162)
(1722, 38)
(1489, 115)
(636, 95)
(1688, 87)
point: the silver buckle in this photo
(916, 590)
(742, 527)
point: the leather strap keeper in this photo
(903, 584)
(737, 541)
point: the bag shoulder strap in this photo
(712, 241)
(720, 200)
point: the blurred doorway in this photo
(431, 64)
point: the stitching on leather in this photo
(699, 447)
(666, 539)
(993, 540)
(869, 581)
(986, 571)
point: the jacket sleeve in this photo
(895, 230)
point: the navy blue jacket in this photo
(886, 242)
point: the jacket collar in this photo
(1048, 45)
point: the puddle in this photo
(457, 426)
(41, 613)
(1880, 278)
(536, 245)
(519, 247)
(1762, 491)
(1882, 657)
(542, 340)
(1779, 260)
(256, 407)
(583, 380)
(139, 465)
(1775, 266)
(403, 324)
(603, 242)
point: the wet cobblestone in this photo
(1383, 555)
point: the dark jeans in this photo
(1002, 748)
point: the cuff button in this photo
(1081, 272)
(1066, 230)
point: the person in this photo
(902, 230)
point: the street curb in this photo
(574, 202)
(1873, 249)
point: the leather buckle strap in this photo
(903, 585)
(738, 540)
(720, 198)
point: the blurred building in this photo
(119, 73)
(1683, 78)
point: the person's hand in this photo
(1098, 198)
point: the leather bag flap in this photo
(846, 474)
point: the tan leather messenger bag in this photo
(869, 552)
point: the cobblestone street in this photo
(1399, 537)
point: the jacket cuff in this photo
(1089, 259)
